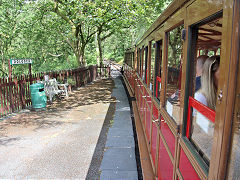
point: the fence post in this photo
(69, 85)
(16, 94)
(11, 94)
(1, 112)
(22, 92)
(109, 71)
(100, 70)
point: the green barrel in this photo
(38, 96)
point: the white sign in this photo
(20, 61)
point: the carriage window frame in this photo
(146, 64)
(152, 64)
(158, 68)
(189, 90)
(142, 62)
(138, 61)
(166, 59)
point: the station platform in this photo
(119, 159)
(87, 136)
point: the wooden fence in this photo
(15, 92)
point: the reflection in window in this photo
(145, 65)
(205, 84)
(152, 65)
(138, 61)
(202, 134)
(158, 64)
(174, 72)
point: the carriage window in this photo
(138, 61)
(173, 93)
(158, 64)
(142, 62)
(152, 65)
(145, 65)
(204, 84)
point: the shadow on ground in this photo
(93, 171)
(96, 92)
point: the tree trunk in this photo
(80, 59)
(100, 49)
(80, 56)
(97, 48)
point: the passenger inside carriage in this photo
(209, 82)
(202, 129)
(199, 67)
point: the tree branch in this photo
(64, 17)
(57, 55)
(108, 35)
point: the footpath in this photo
(119, 159)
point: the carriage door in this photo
(229, 167)
(208, 122)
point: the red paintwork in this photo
(149, 100)
(155, 112)
(165, 166)
(142, 105)
(158, 80)
(154, 142)
(168, 136)
(204, 110)
(186, 168)
(148, 123)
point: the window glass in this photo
(175, 43)
(158, 64)
(202, 134)
(143, 64)
(138, 61)
(204, 85)
(152, 65)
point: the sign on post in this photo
(20, 61)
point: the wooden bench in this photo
(52, 88)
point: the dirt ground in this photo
(28, 120)
(34, 134)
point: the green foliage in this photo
(175, 46)
(59, 34)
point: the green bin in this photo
(38, 96)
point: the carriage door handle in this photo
(220, 95)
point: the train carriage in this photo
(186, 138)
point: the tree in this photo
(10, 12)
(115, 15)
(59, 34)
(79, 17)
(143, 14)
